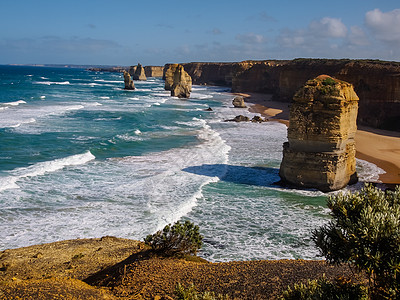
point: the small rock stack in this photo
(129, 85)
(139, 73)
(321, 150)
(178, 81)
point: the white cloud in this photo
(357, 37)
(251, 38)
(328, 27)
(385, 26)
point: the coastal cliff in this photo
(154, 71)
(115, 268)
(320, 152)
(377, 83)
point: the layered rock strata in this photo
(154, 71)
(129, 85)
(178, 81)
(377, 83)
(139, 73)
(320, 152)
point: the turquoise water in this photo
(81, 157)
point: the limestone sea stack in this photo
(139, 73)
(321, 150)
(128, 81)
(178, 81)
(238, 102)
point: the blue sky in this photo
(156, 32)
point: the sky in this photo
(153, 32)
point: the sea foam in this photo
(16, 103)
(43, 168)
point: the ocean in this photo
(81, 157)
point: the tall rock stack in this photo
(178, 81)
(321, 149)
(139, 73)
(128, 81)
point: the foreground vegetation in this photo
(365, 234)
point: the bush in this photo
(322, 289)
(365, 233)
(190, 293)
(329, 81)
(178, 239)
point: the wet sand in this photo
(379, 147)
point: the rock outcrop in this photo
(139, 73)
(320, 152)
(129, 85)
(154, 71)
(377, 83)
(178, 81)
(241, 118)
(238, 102)
(132, 70)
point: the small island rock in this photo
(139, 73)
(128, 81)
(238, 102)
(178, 81)
(320, 152)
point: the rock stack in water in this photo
(321, 149)
(128, 81)
(178, 81)
(139, 73)
(238, 102)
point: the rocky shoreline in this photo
(377, 83)
(115, 268)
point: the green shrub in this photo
(329, 81)
(365, 233)
(190, 293)
(178, 239)
(322, 289)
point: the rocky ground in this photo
(113, 268)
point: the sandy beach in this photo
(379, 147)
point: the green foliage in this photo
(365, 233)
(322, 289)
(329, 81)
(190, 293)
(178, 239)
(328, 87)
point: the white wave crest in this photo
(368, 172)
(16, 103)
(52, 82)
(27, 121)
(42, 168)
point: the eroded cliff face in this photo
(220, 74)
(377, 83)
(320, 152)
(154, 71)
(178, 81)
